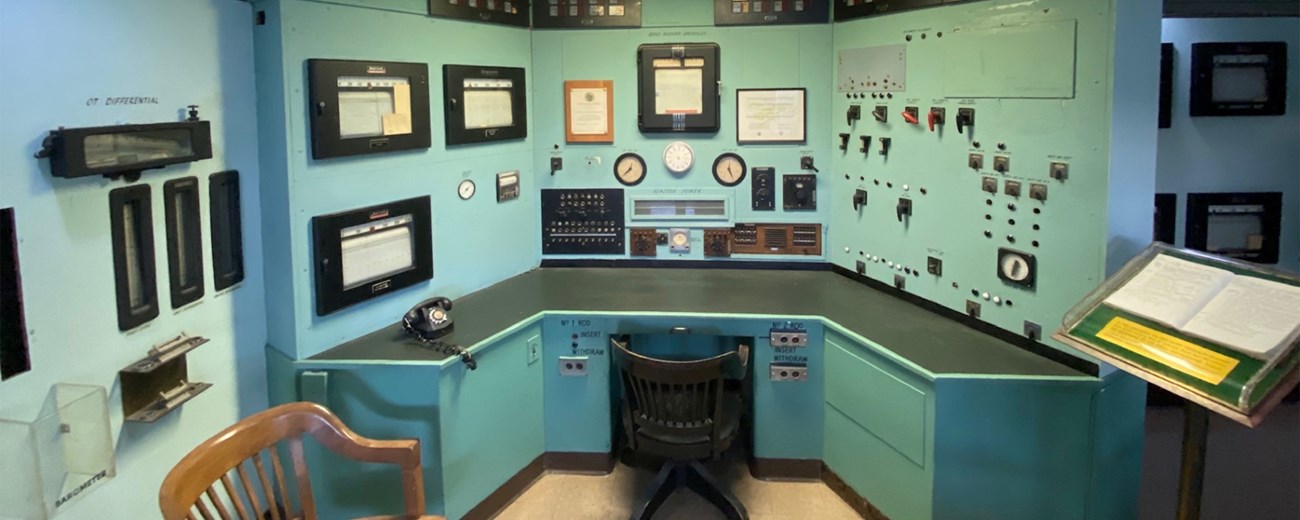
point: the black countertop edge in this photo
(652, 263)
(1021, 342)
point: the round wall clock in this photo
(679, 157)
(466, 189)
(629, 169)
(729, 169)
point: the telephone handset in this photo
(431, 320)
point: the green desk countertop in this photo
(933, 342)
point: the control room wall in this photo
(57, 56)
(475, 243)
(1232, 154)
(788, 56)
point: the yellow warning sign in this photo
(1183, 356)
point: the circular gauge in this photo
(679, 157)
(466, 189)
(1015, 268)
(729, 169)
(629, 169)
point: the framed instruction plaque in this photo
(772, 116)
(589, 111)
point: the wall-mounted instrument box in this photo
(184, 240)
(1245, 226)
(125, 150)
(369, 252)
(1238, 79)
(484, 104)
(770, 12)
(582, 221)
(777, 239)
(584, 14)
(14, 355)
(61, 457)
(362, 107)
(501, 12)
(134, 270)
(159, 384)
(678, 87)
(227, 229)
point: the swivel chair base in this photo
(675, 475)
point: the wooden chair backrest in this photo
(263, 486)
(673, 397)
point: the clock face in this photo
(679, 157)
(629, 169)
(729, 169)
(466, 189)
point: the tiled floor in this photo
(558, 496)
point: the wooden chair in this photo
(208, 470)
(680, 411)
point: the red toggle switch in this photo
(910, 118)
(930, 120)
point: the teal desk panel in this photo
(580, 411)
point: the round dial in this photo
(466, 189)
(629, 169)
(680, 239)
(679, 157)
(729, 169)
(1015, 268)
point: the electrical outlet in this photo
(788, 372)
(788, 338)
(534, 349)
(573, 366)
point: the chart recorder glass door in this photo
(429, 321)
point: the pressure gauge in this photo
(466, 189)
(729, 169)
(679, 240)
(679, 157)
(629, 169)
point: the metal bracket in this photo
(157, 384)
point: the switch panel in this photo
(582, 221)
(965, 119)
(573, 366)
(644, 242)
(975, 161)
(717, 243)
(859, 199)
(1017, 267)
(854, 114)
(1059, 171)
(904, 208)
(881, 113)
(796, 372)
(777, 239)
(1011, 188)
(1038, 191)
(936, 117)
(788, 338)
(763, 189)
(799, 192)
(912, 115)
(989, 184)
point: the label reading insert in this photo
(1183, 356)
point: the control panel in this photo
(777, 239)
(582, 221)
(800, 191)
(763, 189)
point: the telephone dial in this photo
(429, 321)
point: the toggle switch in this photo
(859, 199)
(1059, 171)
(965, 118)
(806, 163)
(844, 142)
(557, 164)
(881, 113)
(936, 117)
(989, 184)
(975, 161)
(1038, 191)
(1001, 163)
(884, 145)
(904, 208)
(911, 115)
(854, 114)
(1012, 188)
(866, 143)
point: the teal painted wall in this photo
(475, 242)
(1213, 154)
(751, 57)
(976, 55)
(57, 55)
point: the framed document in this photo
(771, 116)
(589, 111)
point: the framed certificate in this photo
(771, 116)
(589, 111)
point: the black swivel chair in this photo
(679, 410)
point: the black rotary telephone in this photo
(429, 321)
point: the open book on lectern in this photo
(1248, 314)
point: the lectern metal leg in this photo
(1191, 477)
